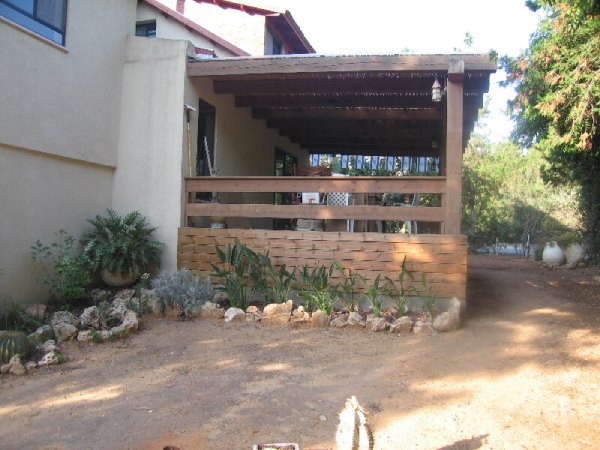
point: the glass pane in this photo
(25, 5)
(51, 12)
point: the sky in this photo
(432, 26)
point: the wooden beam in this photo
(319, 63)
(345, 113)
(362, 212)
(454, 150)
(418, 185)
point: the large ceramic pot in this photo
(115, 279)
(553, 254)
(575, 253)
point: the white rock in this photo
(48, 346)
(49, 359)
(401, 325)
(42, 334)
(449, 320)
(63, 317)
(253, 314)
(339, 322)
(64, 332)
(377, 324)
(30, 366)
(130, 321)
(319, 319)
(211, 311)
(300, 315)
(84, 336)
(36, 310)
(575, 253)
(235, 315)
(277, 313)
(220, 297)
(423, 328)
(118, 312)
(15, 366)
(4, 368)
(355, 320)
(90, 317)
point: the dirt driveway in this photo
(523, 372)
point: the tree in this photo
(557, 107)
(505, 197)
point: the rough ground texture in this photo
(522, 372)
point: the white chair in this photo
(411, 224)
(309, 198)
(343, 199)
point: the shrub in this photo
(182, 290)
(238, 262)
(373, 294)
(121, 244)
(347, 287)
(399, 293)
(13, 316)
(66, 275)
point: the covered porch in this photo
(354, 105)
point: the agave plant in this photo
(400, 293)
(121, 244)
(234, 271)
(317, 292)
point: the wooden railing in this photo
(352, 185)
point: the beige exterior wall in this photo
(168, 28)
(59, 129)
(151, 144)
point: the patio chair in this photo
(341, 198)
(411, 224)
(309, 198)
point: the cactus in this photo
(13, 342)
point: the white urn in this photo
(575, 253)
(553, 254)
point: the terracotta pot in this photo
(115, 279)
(553, 254)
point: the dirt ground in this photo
(522, 372)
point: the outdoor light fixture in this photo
(436, 91)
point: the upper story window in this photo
(273, 46)
(146, 29)
(48, 18)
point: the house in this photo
(96, 119)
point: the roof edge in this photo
(193, 26)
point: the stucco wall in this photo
(151, 144)
(168, 28)
(59, 127)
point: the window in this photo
(273, 46)
(146, 29)
(48, 18)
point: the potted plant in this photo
(120, 247)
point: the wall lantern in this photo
(436, 91)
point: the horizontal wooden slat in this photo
(442, 258)
(432, 214)
(413, 185)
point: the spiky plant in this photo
(121, 244)
(12, 343)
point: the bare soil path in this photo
(523, 372)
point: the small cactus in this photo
(12, 343)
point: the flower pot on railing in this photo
(118, 280)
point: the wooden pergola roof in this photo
(377, 105)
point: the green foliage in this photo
(399, 292)
(347, 287)
(317, 291)
(13, 316)
(281, 280)
(258, 270)
(237, 264)
(183, 290)
(505, 197)
(12, 343)
(96, 337)
(66, 275)
(373, 294)
(121, 244)
(557, 107)
(428, 296)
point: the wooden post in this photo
(454, 147)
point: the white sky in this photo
(432, 26)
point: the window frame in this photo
(11, 12)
